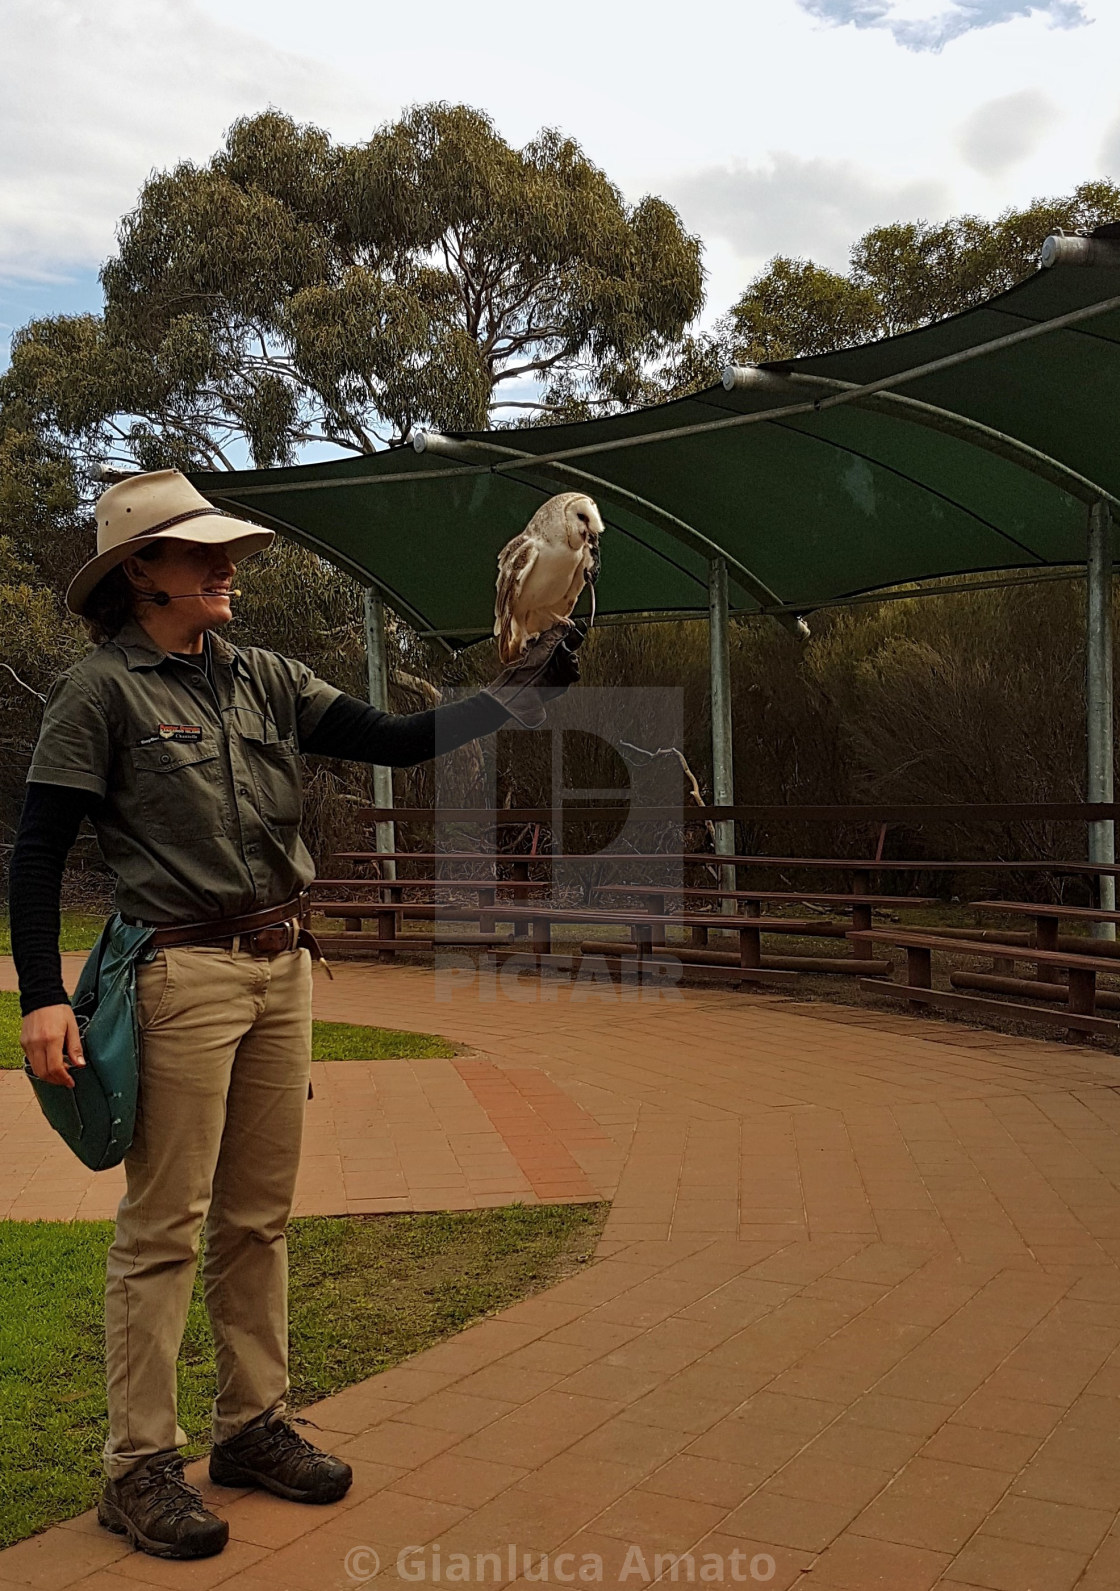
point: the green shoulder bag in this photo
(98, 1115)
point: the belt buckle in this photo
(268, 942)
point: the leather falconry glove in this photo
(543, 672)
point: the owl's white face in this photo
(582, 520)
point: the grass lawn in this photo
(10, 1053)
(79, 931)
(343, 1041)
(330, 1041)
(366, 1292)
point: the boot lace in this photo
(283, 1441)
(175, 1498)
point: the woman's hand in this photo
(50, 1039)
(563, 666)
(545, 670)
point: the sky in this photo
(774, 126)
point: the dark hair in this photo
(112, 602)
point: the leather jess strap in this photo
(206, 933)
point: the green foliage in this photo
(42, 541)
(41, 518)
(364, 1294)
(39, 642)
(37, 647)
(293, 290)
(297, 603)
(796, 307)
(902, 275)
(920, 272)
(968, 697)
(37, 484)
(940, 698)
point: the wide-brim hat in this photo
(142, 508)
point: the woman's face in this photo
(197, 574)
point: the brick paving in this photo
(854, 1322)
(381, 1135)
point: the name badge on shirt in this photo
(180, 732)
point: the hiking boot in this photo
(269, 1453)
(160, 1512)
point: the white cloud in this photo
(934, 32)
(1110, 151)
(1003, 131)
(796, 206)
(92, 98)
(771, 131)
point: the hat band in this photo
(178, 519)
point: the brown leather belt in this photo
(265, 933)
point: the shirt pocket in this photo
(179, 790)
(277, 775)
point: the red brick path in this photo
(856, 1312)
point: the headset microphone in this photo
(161, 598)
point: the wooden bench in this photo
(1048, 919)
(535, 873)
(860, 903)
(647, 935)
(861, 865)
(1079, 1014)
(861, 871)
(392, 890)
(542, 917)
(861, 906)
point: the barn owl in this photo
(542, 571)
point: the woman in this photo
(183, 751)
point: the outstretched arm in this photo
(353, 729)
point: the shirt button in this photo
(243, 789)
(165, 758)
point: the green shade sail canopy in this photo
(986, 462)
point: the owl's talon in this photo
(576, 637)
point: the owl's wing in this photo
(515, 564)
(515, 561)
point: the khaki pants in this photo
(223, 1088)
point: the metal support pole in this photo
(1098, 699)
(377, 662)
(723, 774)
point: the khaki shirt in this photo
(201, 786)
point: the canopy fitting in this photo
(1101, 247)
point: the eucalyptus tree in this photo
(902, 275)
(295, 291)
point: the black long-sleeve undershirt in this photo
(353, 729)
(52, 816)
(53, 813)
